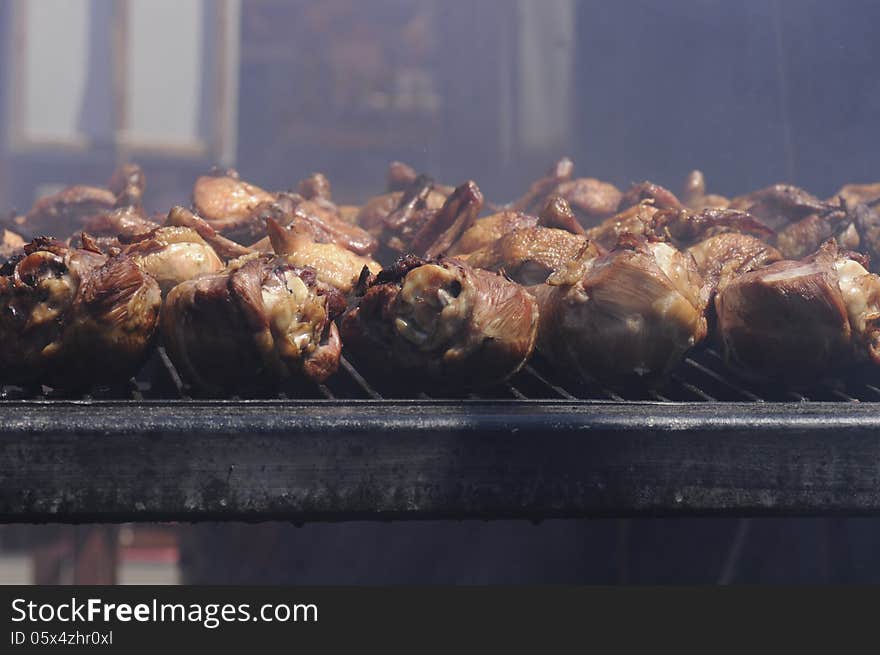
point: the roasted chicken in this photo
(257, 323)
(800, 319)
(413, 228)
(443, 323)
(333, 264)
(629, 314)
(591, 199)
(76, 317)
(232, 206)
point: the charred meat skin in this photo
(443, 323)
(629, 314)
(487, 230)
(252, 326)
(796, 320)
(77, 317)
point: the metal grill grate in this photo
(703, 377)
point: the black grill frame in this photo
(708, 442)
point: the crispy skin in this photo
(779, 204)
(530, 255)
(65, 212)
(76, 317)
(252, 326)
(230, 204)
(800, 319)
(413, 228)
(171, 255)
(660, 197)
(631, 313)
(685, 226)
(443, 323)
(487, 230)
(373, 213)
(591, 199)
(128, 221)
(333, 264)
(635, 220)
(725, 256)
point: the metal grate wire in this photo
(702, 377)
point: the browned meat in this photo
(127, 221)
(333, 264)
(857, 194)
(804, 236)
(725, 256)
(225, 248)
(65, 212)
(171, 255)
(372, 215)
(128, 183)
(231, 205)
(535, 197)
(70, 210)
(684, 226)
(252, 326)
(315, 187)
(591, 199)
(400, 176)
(635, 220)
(529, 255)
(12, 244)
(660, 197)
(487, 230)
(800, 319)
(558, 213)
(631, 313)
(76, 317)
(413, 229)
(443, 322)
(779, 204)
(694, 194)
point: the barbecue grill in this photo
(362, 446)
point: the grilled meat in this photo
(333, 264)
(231, 206)
(70, 209)
(629, 314)
(444, 323)
(171, 255)
(590, 199)
(800, 319)
(259, 322)
(77, 318)
(413, 228)
(725, 256)
(695, 197)
(12, 244)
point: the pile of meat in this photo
(247, 288)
